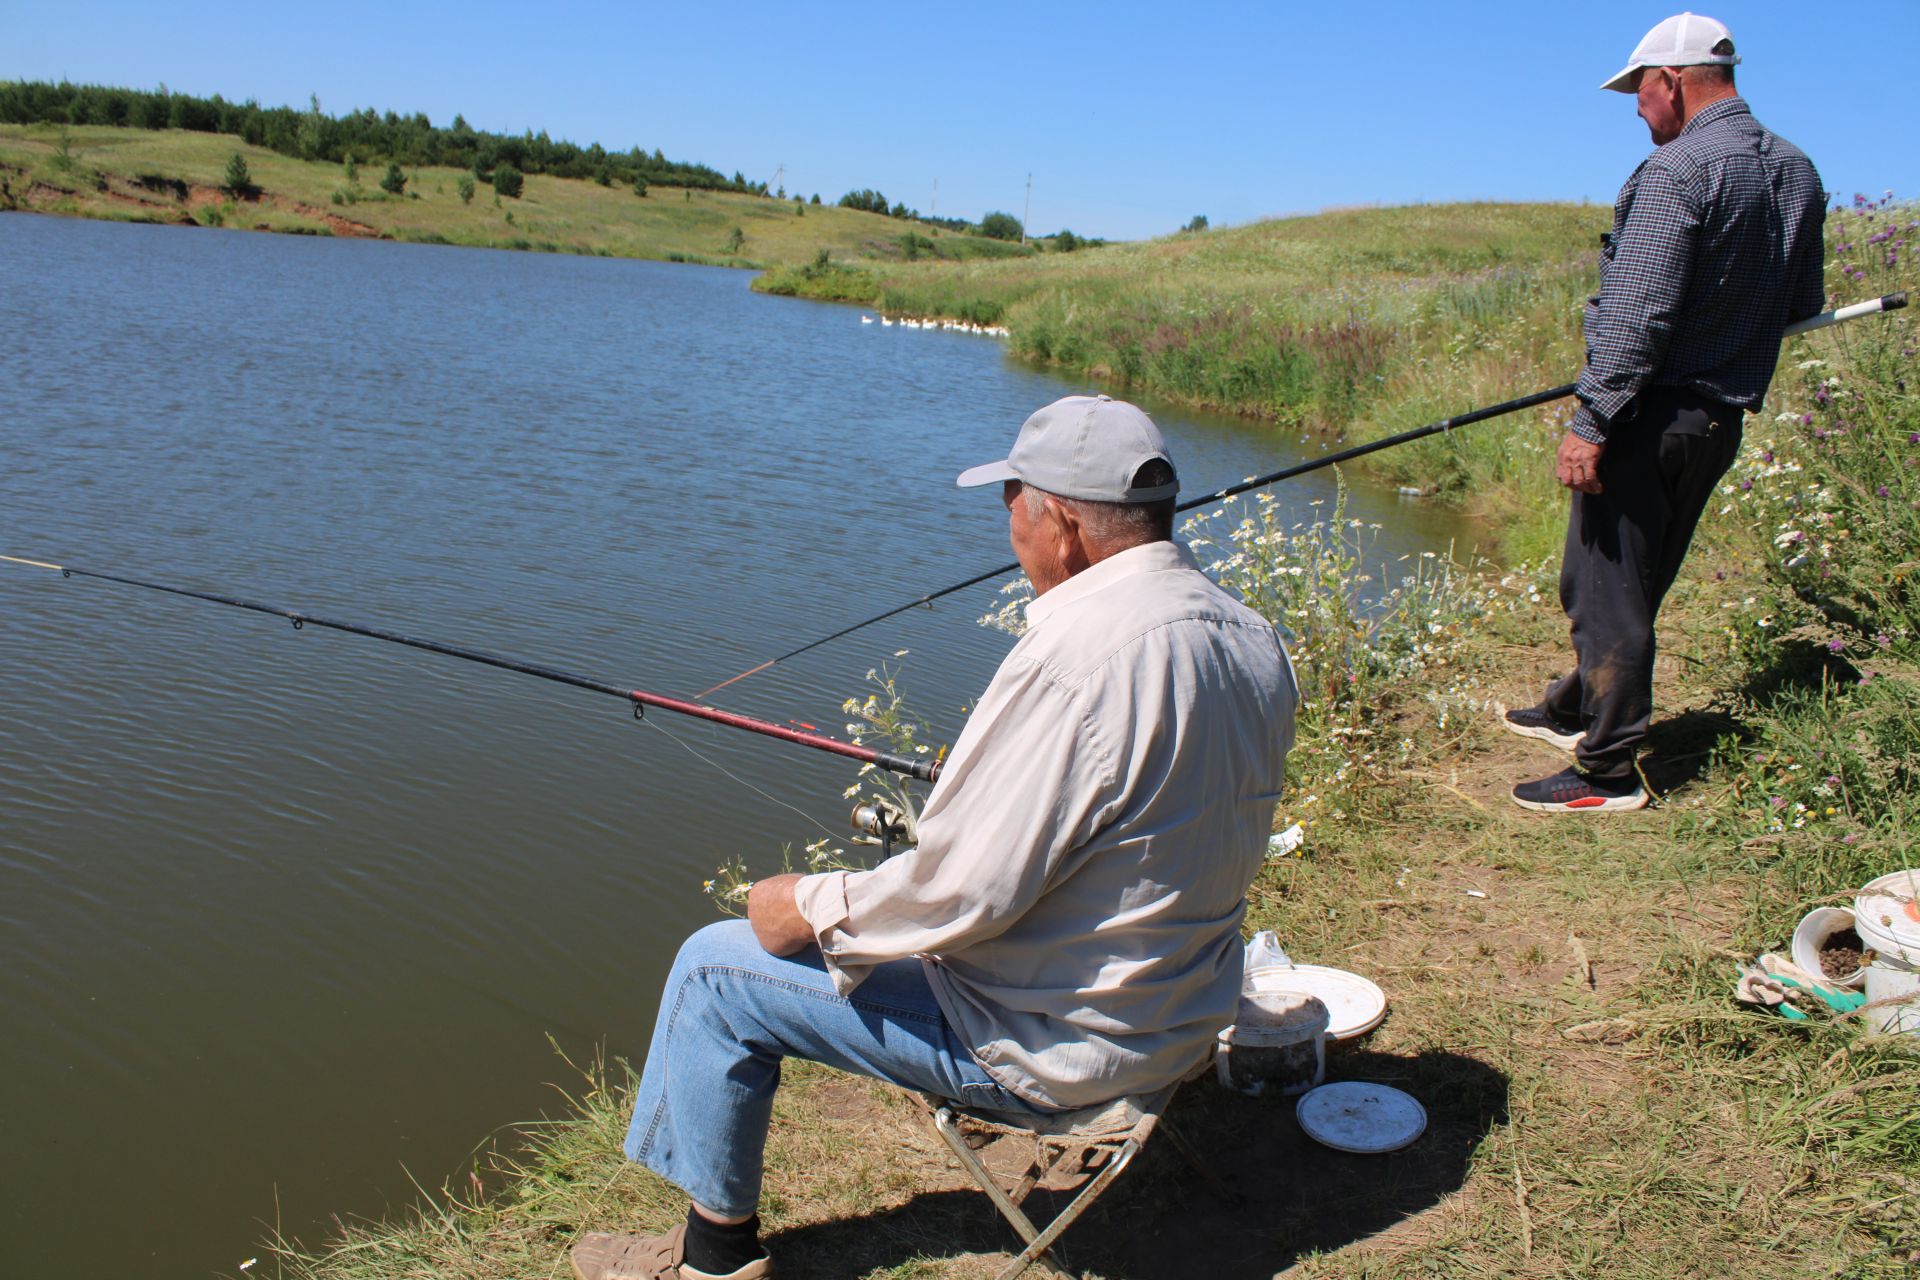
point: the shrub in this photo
(465, 187)
(1198, 222)
(238, 182)
(640, 187)
(736, 239)
(393, 182)
(1000, 226)
(508, 181)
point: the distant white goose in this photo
(866, 319)
(888, 323)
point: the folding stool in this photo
(1104, 1139)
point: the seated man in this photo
(1067, 930)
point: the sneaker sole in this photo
(1564, 741)
(1592, 804)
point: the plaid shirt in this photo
(1716, 248)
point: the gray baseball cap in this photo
(1085, 447)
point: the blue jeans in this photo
(729, 1015)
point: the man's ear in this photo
(1067, 531)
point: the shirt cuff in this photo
(821, 899)
(1588, 426)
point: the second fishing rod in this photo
(1873, 306)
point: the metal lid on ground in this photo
(1362, 1118)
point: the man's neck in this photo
(1719, 93)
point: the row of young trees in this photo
(312, 134)
(996, 225)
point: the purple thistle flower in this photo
(1836, 645)
(1880, 490)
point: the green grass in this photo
(98, 178)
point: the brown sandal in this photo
(600, 1255)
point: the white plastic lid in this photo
(1270, 1018)
(1355, 1006)
(1887, 910)
(1366, 1119)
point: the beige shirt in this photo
(1083, 860)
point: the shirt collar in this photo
(1717, 112)
(1148, 557)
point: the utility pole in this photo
(778, 175)
(933, 209)
(1026, 210)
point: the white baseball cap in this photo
(1086, 447)
(1684, 40)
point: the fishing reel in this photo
(882, 823)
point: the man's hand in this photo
(776, 920)
(1578, 463)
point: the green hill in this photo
(178, 176)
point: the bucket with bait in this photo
(1828, 947)
(1278, 1045)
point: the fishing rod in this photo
(1873, 306)
(641, 699)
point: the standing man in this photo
(1716, 247)
(1067, 930)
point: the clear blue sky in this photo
(1131, 117)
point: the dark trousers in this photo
(1624, 547)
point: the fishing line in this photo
(641, 699)
(689, 748)
(1873, 306)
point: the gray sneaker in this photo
(1531, 722)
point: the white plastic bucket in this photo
(1820, 924)
(1887, 917)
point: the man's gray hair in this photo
(1116, 523)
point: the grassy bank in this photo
(177, 176)
(1342, 325)
(1561, 987)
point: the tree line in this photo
(312, 134)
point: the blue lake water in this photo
(287, 917)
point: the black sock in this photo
(719, 1248)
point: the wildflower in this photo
(1836, 645)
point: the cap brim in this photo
(991, 473)
(1623, 83)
